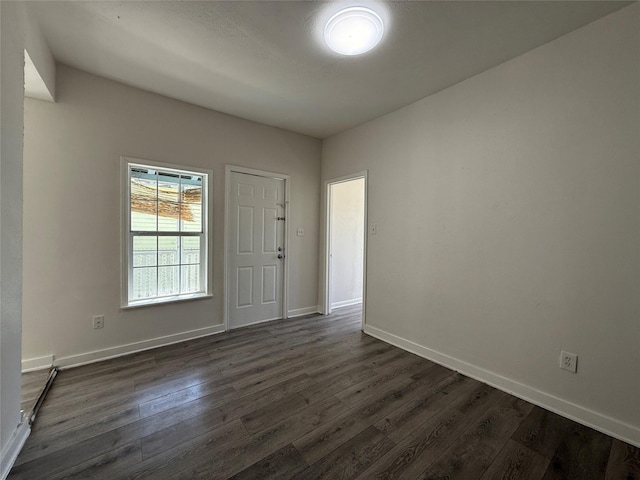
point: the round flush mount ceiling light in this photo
(353, 31)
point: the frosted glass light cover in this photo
(353, 31)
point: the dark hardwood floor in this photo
(32, 385)
(306, 398)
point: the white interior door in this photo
(256, 212)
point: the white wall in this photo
(72, 211)
(11, 100)
(347, 242)
(508, 213)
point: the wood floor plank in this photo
(365, 355)
(624, 462)
(199, 358)
(82, 451)
(351, 458)
(212, 390)
(65, 382)
(401, 422)
(474, 452)
(400, 370)
(207, 448)
(85, 398)
(267, 360)
(321, 441)
(542, 431)
(183, 353)
(284, 463)
(229, 352)
(52, 464)
(337, 383)
(273, 413)
(233, 457)
(582, 454)
(162, 381)
(305, 421)
(479, 399)
(42, 442)
(57, 420)
(106, 466)
(261, 380)
(174, 435)
(248, 403)
(32, 384)
(128, 364)
(309, 397)
(517, 462)
(34, 379)
(425, 444)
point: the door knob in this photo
(280, 256)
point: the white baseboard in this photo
(346, 303)
(12, 449)
(37, 363)
(605, 424)
(107, 353)
(298, 312)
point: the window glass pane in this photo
(144, 204)
(145, 251)
(190, 250)
(191, 189)
(168, 214)
(168, 281)
(168, 187)
(192, 217)
(190, 281)
(144, 283)
(168, 250)
(192, 200)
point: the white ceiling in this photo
(263, 61)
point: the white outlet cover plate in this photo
(569, 361)
(98, 321)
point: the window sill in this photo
(165, 300)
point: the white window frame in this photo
(127, 234)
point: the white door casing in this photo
(326, 271)
(255, 243)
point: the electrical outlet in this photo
(98, 321)
(569, 361)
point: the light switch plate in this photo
(300, 232)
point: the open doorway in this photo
(37, 373)
(346, 243)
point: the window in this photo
(166, 227)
